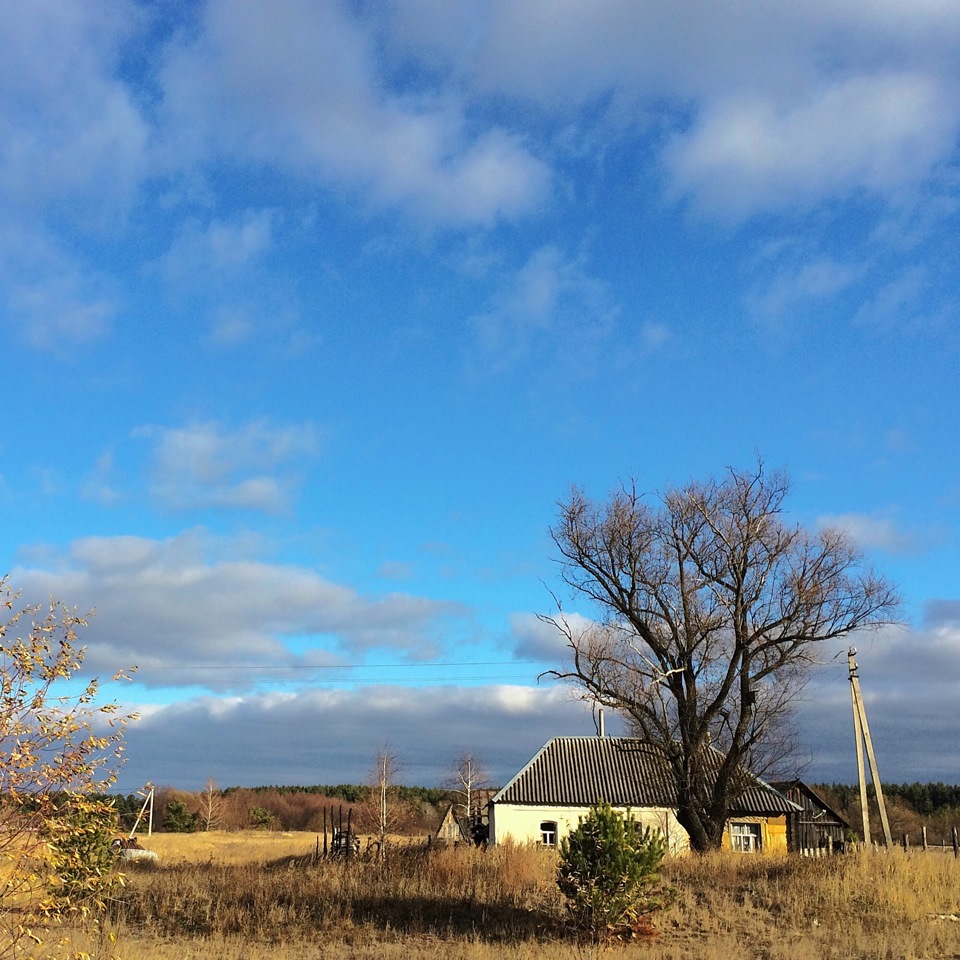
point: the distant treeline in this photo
(280, 807)
(354, 793)
(910, 806)
(925, 799)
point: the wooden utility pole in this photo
(148, 802)
(862, 734)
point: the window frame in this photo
(746, 830)
(548, 828)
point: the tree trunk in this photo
(705, 834)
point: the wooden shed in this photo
(817, 828)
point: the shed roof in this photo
(624, 771)
(799, 788)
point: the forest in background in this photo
(418, 810)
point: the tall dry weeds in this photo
(464, 903)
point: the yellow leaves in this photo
(53, 858)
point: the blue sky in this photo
(312, 311)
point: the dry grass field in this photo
(248, 896)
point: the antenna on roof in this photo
(597, 712)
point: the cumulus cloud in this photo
(186, 619)
(324, 735)
(208, 465)
(71, 131)
(878, 133)
(298, 86)
(770, 106)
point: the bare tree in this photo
(383, 813)
(211, 805)
(467, 777)
(711, 610)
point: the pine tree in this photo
(610, 872)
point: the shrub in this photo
(261, 818)
(83, 863)
(609, 873)
(178, 819)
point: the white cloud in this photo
(879, 133)
(297, 85)
(99, 485)
(772, 105)
(207, 465)
(164, 606)
(872, 532)
(396, 570)
(538, 639)
(898, 303)
(71, 132)
(54, 301)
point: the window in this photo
(548, 833)
(745, 837)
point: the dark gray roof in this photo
(797, 789)
(626, 772)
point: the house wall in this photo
(522, 823)
(773, 833)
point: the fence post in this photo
(923, 837)
(956, 843)
(906, 841)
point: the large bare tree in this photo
(711, 610)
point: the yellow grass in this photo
(242, 847)
(254, 896)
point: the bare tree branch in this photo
(710, 611)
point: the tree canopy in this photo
(710, 609)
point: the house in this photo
(547, 798)
(817, 828)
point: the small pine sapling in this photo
(609, 872)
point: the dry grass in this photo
(254, 897)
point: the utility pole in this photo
(862, 733)
(148, 802)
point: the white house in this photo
(547, 798)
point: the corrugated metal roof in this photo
(624, 771)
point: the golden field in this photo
(254, 896)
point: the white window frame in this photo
(746, 837)
(548, 833)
